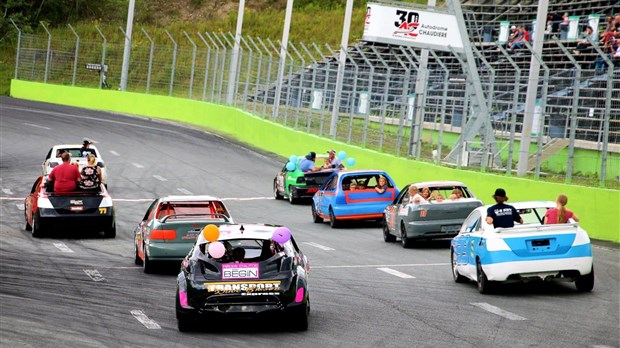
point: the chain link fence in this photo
(576, 130)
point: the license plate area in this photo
(450, 228)
(78, 208)
(541, 245)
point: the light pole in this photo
(287, 27)
(127, 51)
(235, 56)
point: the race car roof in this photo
(249, 231)
(189, 198)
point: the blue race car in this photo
(351, 195)
(532, 251)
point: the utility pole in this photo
(127, 51)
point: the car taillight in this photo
(183, 299)
(163, 234)
(299, 296)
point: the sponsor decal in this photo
(76, 202)
(245, 288)
(240, 271)
(407, 23)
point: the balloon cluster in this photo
(281, 235)
(212, 233)
(349, 161)
(292, 163)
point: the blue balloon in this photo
(293, 159)
(350, 161)
(290, 166)
(342, 155)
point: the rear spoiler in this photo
(213, 216)
(324, 172)
(537, 228)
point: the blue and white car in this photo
(532, 251)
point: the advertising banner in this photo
(411, 27)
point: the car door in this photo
(470, 237)
(329, 194)
(141, 230)
(281, 179)
(392, 211)
(30, 205)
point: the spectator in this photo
(332, 161)
(554, 19)
(501, 214)
(90, 177)
(65, 176)
(307, 164)
(559, 214)
(85, 149)
(513, 37)
(584, 44)
(564, 27)
(610, 23)
(520, 39)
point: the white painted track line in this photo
(160, 178)
(184, 191)
(496, 310)
(36, 126)
(396, 273)
(94, 275)
(316, 245)
(7, 191)
(144, 320)
(114, 153)
(377, 266)
(137, 165)
(62, 247)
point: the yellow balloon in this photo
(211, 233)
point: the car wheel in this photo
(110, 232)
(276, 194)
(315, 216)
(147, 264)
(387, 237)
(484, 285)
(136, 257)
(27, 226)
(291, 197)
(585, 283)
(458, 278)
(37, 230)
(406, 242)
(332, 219)
(185, 321)
(299, 318)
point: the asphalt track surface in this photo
(75, 289)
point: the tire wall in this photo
(597, 207)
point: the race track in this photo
(80, 290)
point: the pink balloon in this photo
(216, 250)
(281, 235)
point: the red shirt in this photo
(65, 177)
(552, 216)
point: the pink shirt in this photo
(552, 216)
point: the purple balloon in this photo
(281, 235)
(216, 250)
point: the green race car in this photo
(297, 185)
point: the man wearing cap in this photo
(85, 149)
(500, 214)
(307, 164)
(332, 161)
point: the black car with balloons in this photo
(241, 271)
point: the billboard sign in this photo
(411, 27)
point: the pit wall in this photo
(599, 209)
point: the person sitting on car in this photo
(307, 164)
(382, 186)
(353, 186)
(457, 193)
(85, 149)
(332, 162)
(238, 254)
(90, 178)
(414, 195)
(501, 214)
(65, 176)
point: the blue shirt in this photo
(306, 165)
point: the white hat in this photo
(513, 27)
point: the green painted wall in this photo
(599, 209)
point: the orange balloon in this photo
(211, 233)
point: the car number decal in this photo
(102, 211)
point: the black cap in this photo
(311, 155)
(500, 192)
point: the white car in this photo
(53, 158)
(531, 251)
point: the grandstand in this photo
(388, 73)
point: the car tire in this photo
(315, 215)
(291, 197)
(110, 232)
(585, 283)
(37, 230)
(27, 226)
(406, 242)
(185, 322)
(332, 219)
(299, 318)
(276, 194)
(458, 278)
(147, 265)
(484, 285)
(136, 258)
(387, 236)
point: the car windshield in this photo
(362, 181)
(243, 250)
